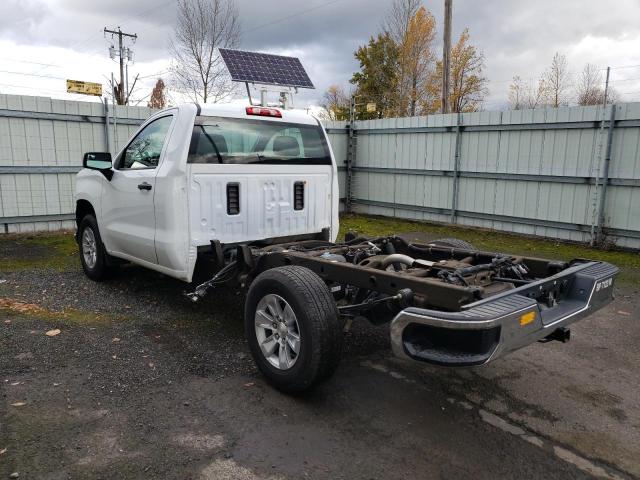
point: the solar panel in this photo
(265, 68)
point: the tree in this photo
(527, 95)
(335, 103)
(516, 93)
(557, 80)
(417, 62)
(158, 98)
(376, 80)
(590, 87)
(202, 27)
(468, 86)
(413, 28)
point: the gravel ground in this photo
(140, 383)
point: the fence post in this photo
(605, 178)
(456, 168)
(351, 155)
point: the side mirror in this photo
(100, 161)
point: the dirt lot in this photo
(140, 383)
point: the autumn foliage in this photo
(467, 87)
(401, 73)
(158, 98)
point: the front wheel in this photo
(93, 255)
(292, 327)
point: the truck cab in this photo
(195, 174)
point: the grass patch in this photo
(483, 239)
(55, 251)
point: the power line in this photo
(152, 27)
(90, 37)
(625, 66)
(73, 47)
(634, 79)
(31, 75)
(126, 19)
(155, 74)
(30, 62)
(39, 89)
(293, 15)
(30, 88)
(76, 45)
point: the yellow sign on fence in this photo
(84, 88)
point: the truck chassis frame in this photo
(447, 305)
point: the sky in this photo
(45, 42)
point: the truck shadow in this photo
(220, 312)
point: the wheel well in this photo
(83, 208)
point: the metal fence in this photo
(570, 173)
(41, 145)
(540, 172)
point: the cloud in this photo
(515, 37)
(19, 19)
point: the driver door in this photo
(128, 214)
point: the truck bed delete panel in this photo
(264, 199)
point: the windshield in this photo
(249, 141)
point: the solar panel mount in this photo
(266, 69)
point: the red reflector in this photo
(264, 112)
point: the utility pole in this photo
(446, 51)
(598, 198)
(122, 53)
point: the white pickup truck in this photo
(251, 195)
(193, 174)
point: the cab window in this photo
(248, 141)
(145, 149)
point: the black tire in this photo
(101, 269)
(453, 243)
(317, 319)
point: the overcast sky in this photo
(60, 39)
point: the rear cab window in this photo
(249, 141)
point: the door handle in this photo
(144, 186)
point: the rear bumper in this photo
(490, 328)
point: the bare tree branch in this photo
(335, 103)
(202, 27)
(528, 95)
(557, 80)
(591, 87)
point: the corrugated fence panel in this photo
(49, 134)
(526, 171)
(623, 202)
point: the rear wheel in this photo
(453, 243)
(292, 327)
(93, 255)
